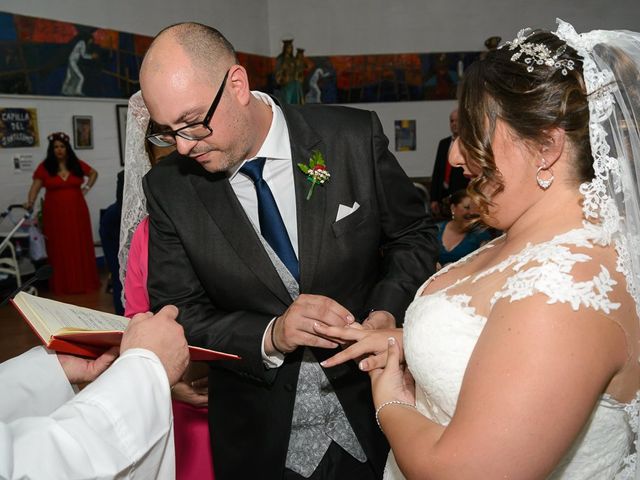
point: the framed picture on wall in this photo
(405, 135)
(82, 132)
(121, 117)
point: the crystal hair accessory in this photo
(61, 136)
(537, 53)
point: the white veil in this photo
(136, 165)
(611, 66)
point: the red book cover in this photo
(80, 331)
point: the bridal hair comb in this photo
(60, 136)
(537, 53)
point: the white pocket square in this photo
(345, 211)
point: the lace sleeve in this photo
(550, 268)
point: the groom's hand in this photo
(295, 327)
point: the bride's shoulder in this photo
(575, 268)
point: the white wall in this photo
(340, 27)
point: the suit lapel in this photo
(225, 210)
(310, 213)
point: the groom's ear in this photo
(553, 146)
(239, 84)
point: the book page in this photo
(60, 316)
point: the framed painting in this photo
(405, 135)
(82, 132)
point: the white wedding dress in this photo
(441, 331)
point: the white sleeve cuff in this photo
(270, 361)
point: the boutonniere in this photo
(316, 171)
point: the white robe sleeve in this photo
(120, 426)
(33, 384)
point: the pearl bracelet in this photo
(386, 404)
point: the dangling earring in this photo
(542, 182)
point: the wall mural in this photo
(48, 57)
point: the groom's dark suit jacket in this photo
(206, 258)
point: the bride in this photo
(525, 353)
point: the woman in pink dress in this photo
(190, 396)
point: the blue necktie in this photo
(271, 224)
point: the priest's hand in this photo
(81, 370)
(161, 334)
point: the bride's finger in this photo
(343, 333)
(374, 374)
(393, 355)
(352, 352)
(372, 362)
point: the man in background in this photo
(446, 179)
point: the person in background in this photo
(65, 217)
(460, 236)
(446, 178)
(119, 426)
(189, 396)
(110, 240)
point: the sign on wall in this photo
(18, 127)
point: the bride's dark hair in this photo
(529, 102)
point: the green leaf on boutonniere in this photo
(316, 171)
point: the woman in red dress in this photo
(65, 217)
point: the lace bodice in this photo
(441, 330)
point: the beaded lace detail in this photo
(546, 268)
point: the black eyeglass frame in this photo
(154, 137)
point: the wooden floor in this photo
(15, 335)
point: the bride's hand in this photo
(393, 382)
(371, 344)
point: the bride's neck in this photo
(556, 212)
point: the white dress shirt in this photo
(119, 426)
(278, 173)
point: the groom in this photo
(253, 259)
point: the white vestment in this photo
(119, 426)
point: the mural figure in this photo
(314, 95)
(74, 80)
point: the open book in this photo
(68, 328)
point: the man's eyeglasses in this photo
(193, 131)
